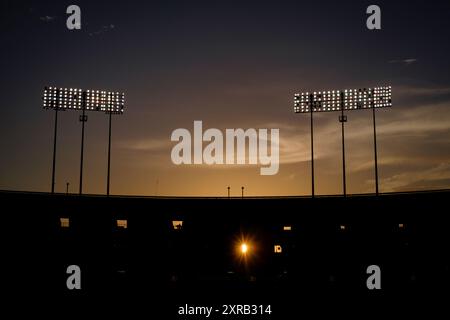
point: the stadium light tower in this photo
(90, 100)
(307, 99)
(335, 100)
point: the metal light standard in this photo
(90, 100)
(335, 100)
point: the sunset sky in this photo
(231, 65)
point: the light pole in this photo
(342, 120)
(312, 149)
(335, 100)
(83, 119)
(108, 176)
(109, 156)
(375, 145)
(307, 99)
(54, 150)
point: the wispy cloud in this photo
(47, 18)
(435, 177)
(405, 62)
(147, 145)
(413, 141)
(103, 29)
(421, 90)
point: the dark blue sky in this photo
(230, 64)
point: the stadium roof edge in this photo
(220, 197)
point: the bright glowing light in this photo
(73, 98)
(177, 224)
(244, 248)
(349, 99)
(122, 224)
(64, 222)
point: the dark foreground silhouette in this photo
(161, 266)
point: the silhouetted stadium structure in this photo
(185, 249)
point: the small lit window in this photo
(287, 228)
(122, 224)
(277, 248)
(177, 224)
(401, 225)
(342, 227)
(64, 222)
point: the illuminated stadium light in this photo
(177, 224)
(277, 248)
(62, 98)
(349, 99)
(343, 100)
(113, 102)
(122, 223)
(83, 100)
(77, 99)
(244, 248)
(64, 222)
